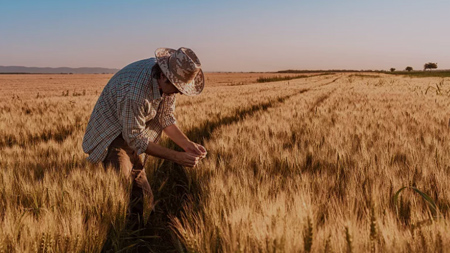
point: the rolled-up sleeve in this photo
(133, 125)
(167, 111)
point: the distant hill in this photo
(62, 70)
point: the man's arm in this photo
(182, 158)
(133, 122)
(181, 140)
(168, 123)
(170, 128)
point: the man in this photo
(134, 108)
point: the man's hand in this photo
(195, 149)
(187, 159)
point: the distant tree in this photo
(430, 65)
(409, 68)
(392, 69)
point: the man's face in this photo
(166, 86)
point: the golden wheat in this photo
(318, 158)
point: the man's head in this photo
(163, 82)
(166, 86)
(182, 69)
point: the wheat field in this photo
(342, 162)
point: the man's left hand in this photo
(195, 149)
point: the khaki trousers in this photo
(125, 160)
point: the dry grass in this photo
(310, 165)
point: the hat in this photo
(183, 69)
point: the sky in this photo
(228, 35)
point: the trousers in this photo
(125, 160)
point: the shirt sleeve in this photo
(168, 109)
(133, 125)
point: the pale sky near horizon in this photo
(228, 35)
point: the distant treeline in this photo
(326, 71)
(278, 78)
(434, 73)
(286, 78)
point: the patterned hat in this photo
(183, 69)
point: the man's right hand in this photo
(187, 159)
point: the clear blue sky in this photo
(228, 35)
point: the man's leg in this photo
(141, 193)
(124, 159)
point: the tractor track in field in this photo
(204, 132)
(334, 80)
(187, 103)
(324, 97)
(320, 101)
(59, 134)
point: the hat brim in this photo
(190, 89)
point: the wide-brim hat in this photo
(183, 69)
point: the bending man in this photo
(134, 108)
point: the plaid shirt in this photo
(131, 105)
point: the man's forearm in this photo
(182, 158)
(175, 134)
(159, 151)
